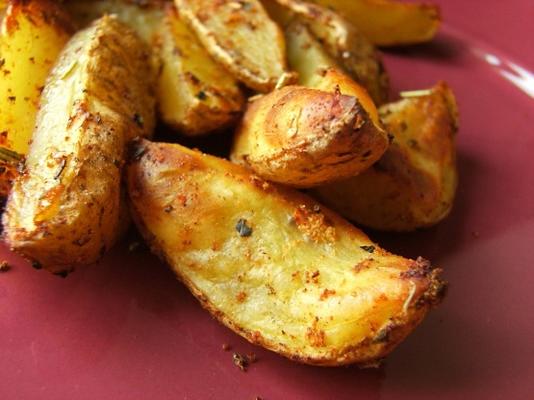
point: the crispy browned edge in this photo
(392, 336)
(38, 12)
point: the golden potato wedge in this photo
(389, 22)
(305, 137)
(317, 70)
(32, 35)
(143, 17)
(241, 36)
(195, 94)
(414, 184)
(350, 48)
(273, 265)
(64, 210)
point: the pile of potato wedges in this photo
(86, 88)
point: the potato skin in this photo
(65, 209)
(389, 22)
(343, 41)
(33, 34)
(195, 95)
(241, 37)
(304, 137)
(272, 264)
(414, 183)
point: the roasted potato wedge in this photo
(305, 137)
(240, 36)
(195, 94)
(65, 209)
(389, 22)
(414, 184)
(32, 35)
(273, 265)
(350, 48)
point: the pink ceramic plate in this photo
(126, 329)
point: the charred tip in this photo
(436, 291)
(421, 268)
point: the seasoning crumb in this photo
(4, 266)
(36, 265)
(243, 229)
(240, 361)
(226, 347)
(369, 249)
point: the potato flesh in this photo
(240, 36)
(65, 210)
(349, 47)
(300, 284)
(306, 55)
(304, 137)
(389, 23)
(195, 94)
(317, 70)
(414, 184)
(32, 37)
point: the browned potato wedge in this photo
(65, 210)
(305, 137)
(341, 40)
(241, 36)
(273, 265)
(414, 184)
(389, 22)
(195, 94)
(32, 35)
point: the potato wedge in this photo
(241, 36)
(273, 265)
(195, 94)
(317, 70)
(414, 184)
(305, 137)
(349, 47)
(389, 22)
(32, 35)
(65, 210)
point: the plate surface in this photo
(126, 329)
